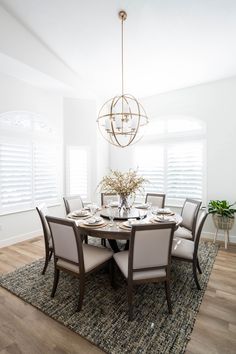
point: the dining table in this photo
(120, 228)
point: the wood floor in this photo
(23, 329)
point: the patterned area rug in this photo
(103, 319)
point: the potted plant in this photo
(125, 184)
(222, 214)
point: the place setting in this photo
(79, 214)
(94, 222)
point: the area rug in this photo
(103, 319)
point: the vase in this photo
(124, 202)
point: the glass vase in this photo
(124, 202)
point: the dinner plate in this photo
(94, 221)
(142, 206)
(80, 213)
(165, 211)
(160, 219)
(130, 223)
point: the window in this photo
(174, 161)
(77, 171)
(29, 164)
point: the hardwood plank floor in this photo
(24, 329)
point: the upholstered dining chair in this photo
(43, 211)
(156, 199)
(106, 198)
(187, 250)
(72, 256)
(73, 203)
(148, 259)
(189, 214)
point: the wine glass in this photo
(111, 214)
(141, 215)
(93, 209)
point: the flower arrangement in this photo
(122, 183)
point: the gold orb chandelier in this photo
(121, 119)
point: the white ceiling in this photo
(169, 44)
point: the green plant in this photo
(221, 208)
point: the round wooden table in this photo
(115, 232)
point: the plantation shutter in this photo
(45, 172)
(150, 163)
(185, 171)
(78, 171)
(15, 176)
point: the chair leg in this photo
(198, 266)
(85, 239)
(167, 288)
(50, 255)
(47, 259)
(56, 278)
(130, 301)
(195, 275)
(81, 292)
(103, 242)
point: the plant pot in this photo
(223, 222)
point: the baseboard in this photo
(19, 238)
(220, 236)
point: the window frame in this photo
(67, 174)
(12, 135)
(165, 140)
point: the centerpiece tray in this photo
(121, 214)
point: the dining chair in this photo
(156, 199)
(189, 215)
(74, 257)
(148, 259)
(187, 250)
(106, 198)
(43, 211)
(73, 203)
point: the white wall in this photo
(215, 104)
(80, 128)
(17, 95)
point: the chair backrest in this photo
(157, 199)
(43, 211)
(200, 224)
(73, 203)
(106, 198)
(189, 214)
(67, 242)
(150, 247)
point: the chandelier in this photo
(121, 119)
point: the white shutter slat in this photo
(15, 171)
(184, 171)
(78, 171)
(45, 173)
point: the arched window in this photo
(172, 158)
(29, 162)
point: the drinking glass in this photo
(93, 209)
(141, 215)
(111, 214)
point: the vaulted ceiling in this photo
(169, 44)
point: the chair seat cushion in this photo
(93, 257)
(182, 248)
(121, 259)
(182, 232)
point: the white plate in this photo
(94, 221)
(142, 206)
(80, 213)
(131, 223)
